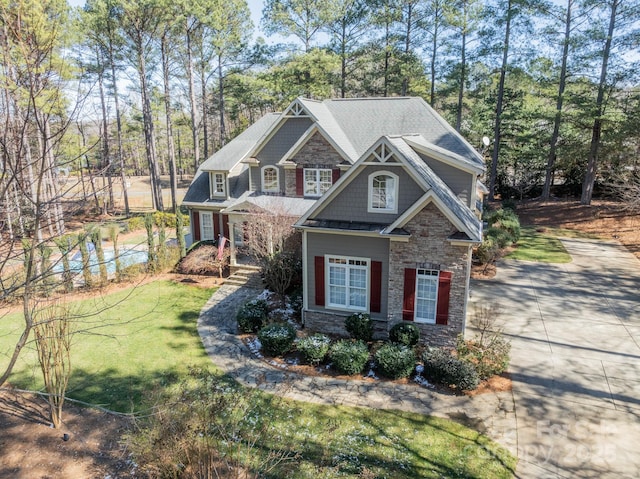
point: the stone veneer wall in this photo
(316, 153)
(428, 244)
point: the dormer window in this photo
(218, 185)
(270, 183)
(383, 192)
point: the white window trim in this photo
(262, 172)
(213, 193)
(370, 207)
(209, 215)
(318, 182)
(347, 307)
(415, 306)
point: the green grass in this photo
(324, 441)
(140, 338)
(146, 340)
(541, 247)
(394, 444)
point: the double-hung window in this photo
(383, 192)
(218, 183)
(426, 295)
(206, 226)
(317, 181)
(270, 182)
(347, 282)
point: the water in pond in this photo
(127, 258)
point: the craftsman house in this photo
(385, 194)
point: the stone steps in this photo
(246, 276)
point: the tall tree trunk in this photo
(592, 162)
(121, 162)
(149, 137)
(223, 130)
(434, 52)
(407, 46)
(551, 159)
(106, 155)
(463, 65)
(497, 125)
(192, 100)
(167, 107)
(343, 59)
(205, 116)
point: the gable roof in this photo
(436, 190)
(237, 149)
(361, 121)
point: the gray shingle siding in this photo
(460, 182)
(375, 249)
(282, 141)
(351, 204)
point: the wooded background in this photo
(153, 87)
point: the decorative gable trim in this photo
(297, 110)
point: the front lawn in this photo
(129, 342)
(146, 341)
(539, 246)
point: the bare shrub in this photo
(488, 351)
(204, 260)
(53, 333)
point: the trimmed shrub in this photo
(501, 237)
(359, 326)
(488, 251)
(135, 223)
(442, 367)
(277, 339)
(489, 359)
(252, 316)
(395, 360)
(349, 356)
(505, 219)
(405, 333)
(314, 348)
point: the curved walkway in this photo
(491, 413)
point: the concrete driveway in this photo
(575, 335)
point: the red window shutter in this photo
(196, 225)
(444, 289)
(225, 226)
(215, 218)
(300, 182)
(376, 286)
(335, 175)
(319, 276)
(409, 302)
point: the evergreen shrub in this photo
(404, 333)
(359, 326)
(440, 366)
(395, 361)
(349, 356)
(252, 316)
(277, 338)
(314, 348)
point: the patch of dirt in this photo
(31, 449)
